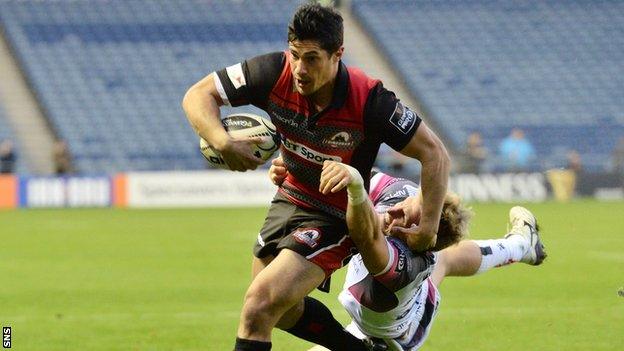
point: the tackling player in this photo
(391, 292)
(323, 110)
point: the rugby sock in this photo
(501, 252)
(318, 325)
(251, 345)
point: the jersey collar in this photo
(341, 89)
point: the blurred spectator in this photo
(7, 157)
(62, 160)
(574, 162)
(516, 152)
(618, 157)
(563, 180)
(475, 154)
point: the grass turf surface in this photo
(175, 279)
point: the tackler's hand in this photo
(415, 237)
(404, 213)
(278, 171)
(336, 176)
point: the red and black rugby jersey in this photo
(361, 116)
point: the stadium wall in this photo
(8, 191)
(139, 190)
(83, 191)
(231, 189)
(195, 189)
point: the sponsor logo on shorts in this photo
(310, 237)
(339, 140)
(403, 118)
(307, 153)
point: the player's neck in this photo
(323, 96)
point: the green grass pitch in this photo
(175, 279)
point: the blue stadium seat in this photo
(5, 132)
(554, 68)
(111, 74)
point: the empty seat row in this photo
(111, 74)
(491, 65)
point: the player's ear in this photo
(337, 56)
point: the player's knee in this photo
(261, 301)
(256, 311)
(442, 261)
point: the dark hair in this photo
(313, 21)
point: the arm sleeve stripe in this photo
(391, 257)
(220, 89)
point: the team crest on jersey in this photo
(339, 140)
(403, 118)
(310, 237)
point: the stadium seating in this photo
(5, 132)
(554, 68)
(111, 74)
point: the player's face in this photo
(311, 66)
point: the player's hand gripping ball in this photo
(244, 125)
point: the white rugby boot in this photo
(524, 223)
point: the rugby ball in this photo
(244, 125)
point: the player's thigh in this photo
(460, 260)
(277, 225)
(258, 264)
(287, 280)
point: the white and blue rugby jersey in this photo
(399, 303)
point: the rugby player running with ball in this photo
(323, 110)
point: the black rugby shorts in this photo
(319, 237)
